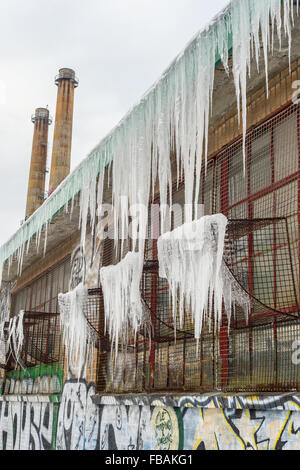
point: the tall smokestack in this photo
(62, 141)
(37, 175)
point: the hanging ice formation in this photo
(173, 115)
(191, 259)
(79, 339)
(11, 341)
(3, 345)
(122, 299)
(5, 301)
(234, 295)
(16, 336)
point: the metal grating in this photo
(261, 200)
(262, 252)
(258, 254)
(41, 295)
(42, 343)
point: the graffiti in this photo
(83, 425)
(26, 426)
(77, 421)
(215, 401)
(77, 268)
(283, 402)
(241, 430)
(78, 417)
(115, 425)
(86, 262)
(125, 428)
(166, 433)
(46, 380)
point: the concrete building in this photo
(238, 386)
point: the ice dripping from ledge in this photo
(191, 259)
(78, 336)
(123, 306)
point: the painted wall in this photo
(73, 420)
(38, 380)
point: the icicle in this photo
(122, 300)
(15, 339)
(234, 295)
(248, 18)
(3, 344)
(46, 237)
(191, 259)
(79, 339)
(175, 112)
(5, 301)
(18, 336)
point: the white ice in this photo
(191, 259)
(78, 337)
(12, 339)
(122, 299)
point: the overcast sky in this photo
(118, 49)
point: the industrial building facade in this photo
(236, 389)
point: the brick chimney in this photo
(37, 175)
(62, 141)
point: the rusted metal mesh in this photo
(255, 354)
(261, 200)
(42, 344)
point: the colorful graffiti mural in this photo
(75, 420)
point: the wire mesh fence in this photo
(261, 201)
(42, 342)
(250, 354)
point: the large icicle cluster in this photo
(122, 299)
(79, 339)
(172, 116)
(191, 259)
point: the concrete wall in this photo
(77, 419)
